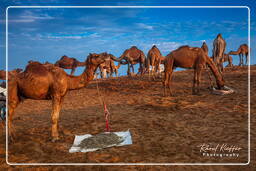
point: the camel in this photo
(154, 60)
(132, 56)
(108, 68)
(219, 46)
(241, 51)
(46, 81)
(189, 57)
(227, 58)
(10, 73)
(69, 63)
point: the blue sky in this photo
(45, 34)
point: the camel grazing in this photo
(46, 81)
(132, 56)
(154, 60)
(10, 73)
(189, 57)
(108, 68)
(69, 63)
(219, 46)
(241, 51)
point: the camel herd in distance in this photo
(46, 81)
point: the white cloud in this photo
(145, 26)
(18, 21)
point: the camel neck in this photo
(216, 73)
(77, 82)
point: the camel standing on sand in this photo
(219, 46)
(108, 68)
(10, 73)
(227, 58)
(189, 57)
(241, 51)
(132, 56)
(154, 60)
(46, 81)
(69, 63)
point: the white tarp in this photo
(79, 138)
(4, 91)
(226, 90)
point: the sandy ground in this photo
(164, 129)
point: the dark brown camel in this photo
(219, 46)
(154, 60)
(132, 56)
(46, 81)
(242, 51)
(189, 57)
(109, 67)
(69, 63)
(10, 73)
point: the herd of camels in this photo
(50, 82)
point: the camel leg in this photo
(209, 76)
(128, 70)
(132, 68)
(169, 82)
(240, 58)
(11, 131)
(13, 101)
(56, 106)
(73, 71)
(246, 58)
(153, 72)
(199, 71)
(194, 82)
(165, 82)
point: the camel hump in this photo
(36, 68)
(64, 57)
(134, 47)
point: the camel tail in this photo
(216, 73)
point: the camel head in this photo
(96, 59)
(18, 70)
(219, 35)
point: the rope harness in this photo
(106, 112)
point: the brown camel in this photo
(10, 73)
(242, 51)
(189, 57)
(69, 63)
(219, 46)
(227, 58)
(109, 67)
(132, 56)
(154, 60)
(46, 81)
